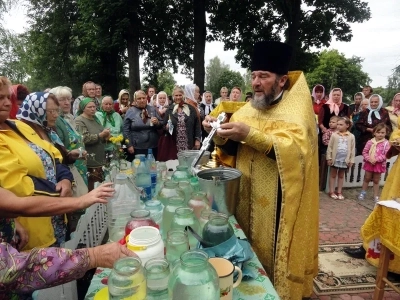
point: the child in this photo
(340, 156)
(326, 136)
(374, 154)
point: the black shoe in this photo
(355, 252)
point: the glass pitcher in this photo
(194, 278)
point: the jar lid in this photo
(144, 236)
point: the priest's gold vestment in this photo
(289, 129)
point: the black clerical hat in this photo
(271, 56)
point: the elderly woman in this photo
(333, 107)
(40, 112)
(318, 96)
(122, 105)
(161, 103)
(45, 267)
(94, 137)
(394, 110)
(140, 127)
(110, 119)
(368, 119)
(206, 105)
(29, 163)
(182, 123)
(236, 94)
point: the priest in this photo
(274, 142)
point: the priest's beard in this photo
(264, 101)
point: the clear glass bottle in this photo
(127, 280)
(181, 174)
(184, 216)
(194, 278)
(139, 218)
(198, 201)
(217, 230)
(186, 188)
(155, 208)
(170, 189)
(157, 276)
(168, 214)
(177, 243)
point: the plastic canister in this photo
(146, 242)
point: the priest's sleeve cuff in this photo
(260, 141)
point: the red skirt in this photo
(166, 148)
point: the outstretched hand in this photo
(104, 256)
(98, 195)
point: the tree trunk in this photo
(132, 40)
(109, 78)
(293, 35)
(200, 33)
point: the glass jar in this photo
(217, 230)
(194, 182)
(162, 169)
(156, 209)
(194, 278)
(169, 210)
(127, 280)
(146, 242)
(177, 243)
(139, 218)
(157, 275)
(170, 189)
(198, 201)
(186, 188)
(205, 217)
(181, 174)
(184, 216)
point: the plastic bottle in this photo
(124, 200)
(152, 166)
(143, 180)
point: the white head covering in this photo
(189, 91)
(208, 107)
(374, 111)
(157, 104)
(362, 98)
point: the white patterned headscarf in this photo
(208, 107)
(189, 91)
(157, 104)
(374, 111)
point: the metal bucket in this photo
(222, 188)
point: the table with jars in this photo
(170, 227)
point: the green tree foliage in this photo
(393, 86)
(230, 79)
(304, 23)
(214, 70)
(335, 70)
(163, 81)
(14, 62)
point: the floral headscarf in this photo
(314, 96)
(208, 107)
(33, 110)
(374, 111)
(334, 107)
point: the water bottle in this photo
(143, 180)
(152, 166)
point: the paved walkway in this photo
(340, 222)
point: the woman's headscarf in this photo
(334, 107)
(314, 96)
(362, 98)
(33, 110)
(82, 105)
(395, 109)
(108, 115)
(144, 114)
(208, 107)
(374, 111)
(189, 91)
(122, 92)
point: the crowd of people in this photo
(49, 140)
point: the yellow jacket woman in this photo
(22, 172)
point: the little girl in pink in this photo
(374, 154)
